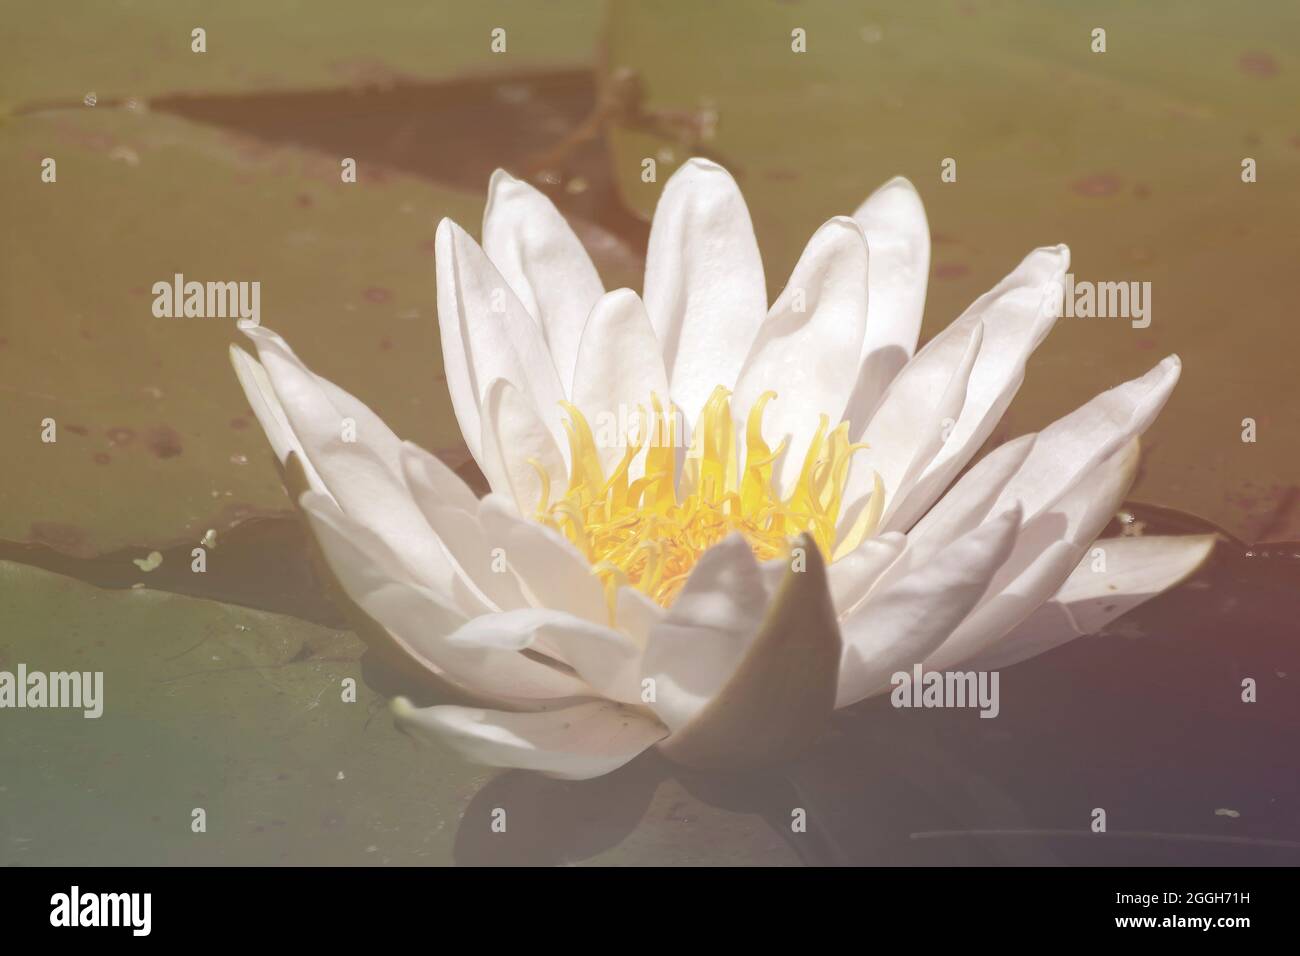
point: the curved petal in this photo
(1017, 314)
(852, 576)
(553, 572)
(1006, 606)
(636, 614)
(807, 349)
(1134, 570)
(606, 659)
(514, 446)
(432, 482)
(572, 743)
(780, 696)
(545, 263)
(699, 643)
(904, 438)
(362, 476)
(704, 287)
(1046, 551)
(270, 414)
(417, 621)
(918, 487)
(893, 218)
(488, 334)
(1072, 446)
(969, 501)
(619, 369)
(912, 611)
(468, 544)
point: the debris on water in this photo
(149, 562)
(210, 539)
(1225, 812)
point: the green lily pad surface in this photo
(124, 48)
(241, 714)
(1132, 157)
(155, 442)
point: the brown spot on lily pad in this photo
(376, 294)
(1257, 63)
(120, 435)
(77, 429)
(239, 424)
(1100, 184)
(951, 270)
(164, 441)
(102, 458)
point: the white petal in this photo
(464, 538)
(807, 349)
(904, 437)
(554, 573)
(432, 482)
(1017, 314)
(545, 263)
(852, 576)
(488, 334)
(637, 614)
(364, 475)
(514, 440)
(573, 743)
(1006, 606)
(700, 641)
(919, 487)
(270, 414)
(619, 368)
(898, 236)
(1046, 551)
(907, 615)
(606, 659)
(969, 501)
(1136, 570)
(1078, 515)
(704, 287)
(418, 622)
(780, 696)
(1070, 447)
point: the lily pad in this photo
(155, 442)
(241, 714)
(119, 48)
(1132, 157)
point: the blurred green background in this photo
(225, 165)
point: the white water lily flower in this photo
(711, 521)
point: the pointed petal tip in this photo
(845, 224)
(898, 182)
(703, 163)
(499, 179)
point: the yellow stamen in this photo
(648, 533)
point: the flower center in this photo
(650, 531)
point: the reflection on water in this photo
(1144, 721)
